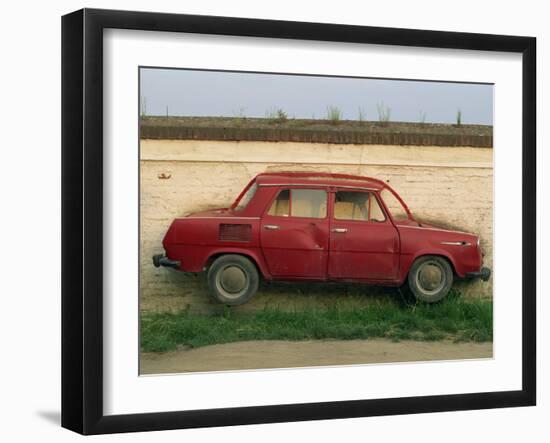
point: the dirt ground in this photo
(287, 354)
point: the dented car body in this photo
(319, 227)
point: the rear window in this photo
(309, 203)
(243, 202)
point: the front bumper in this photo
(161, 260)
(484, 274)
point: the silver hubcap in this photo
(430, 277)
(232, 280)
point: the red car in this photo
(290, 226)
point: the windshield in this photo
(397, 210)
(245, 199)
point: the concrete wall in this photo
(447, 185)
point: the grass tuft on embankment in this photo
(454, 318)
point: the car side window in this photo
(281, 205)
(355, 205)
(309, 203)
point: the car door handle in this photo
(339, 230)
(271, 227)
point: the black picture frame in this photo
(82, 219)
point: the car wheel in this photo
(233, 279)
(430, 278)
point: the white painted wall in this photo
(448, 186)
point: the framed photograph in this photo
(269, 221)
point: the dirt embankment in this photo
(285, 354)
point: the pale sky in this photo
(183, 92)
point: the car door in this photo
(294, 234)
(364, 243)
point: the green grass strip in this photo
(455, 318)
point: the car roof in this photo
(318, 179)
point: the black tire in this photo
(430, 278)
(233, 279)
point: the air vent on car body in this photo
(235, 232)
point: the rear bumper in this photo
(484, 274)
(161, 260)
